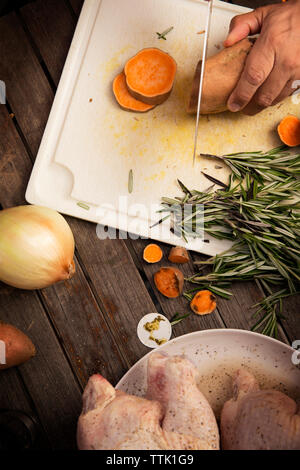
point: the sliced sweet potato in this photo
(179, 255)
(203, 303)
(222, 72)
(169, 282)
(15, 346)
(289, 131)
(152, 253)
(125, 99)
(150, 75)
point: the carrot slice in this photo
(179, 255)
(150, 75)
(289, 131)
(124, 98)
(169, 282)
(203, 303)
(152, 253)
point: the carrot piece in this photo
(150, 75)
(169, 282)
(289, 131)
(203, 303)
(179, 255)
(124, 98)
(152, 253)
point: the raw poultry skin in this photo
(173, 382)
(179, 419)
(257, 419)
(113, 420)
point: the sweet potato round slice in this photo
(289, 131)
(222, 72)
(125, 99)
(203, 303)
(150, 75)
(169, 282)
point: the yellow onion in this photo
(36, 247)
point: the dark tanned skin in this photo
(274, 62)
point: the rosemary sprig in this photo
(164, 33)
(259, 211)
(83, 205)
(178, 318)
(130, 182)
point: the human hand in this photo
(274, 61)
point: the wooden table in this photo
(88, 324)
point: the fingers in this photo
(274, 87)
(258, 67)
(242, 26)
(286, 91)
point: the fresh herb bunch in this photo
(259, 211)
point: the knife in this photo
(204, 54)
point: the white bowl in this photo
(217, 354)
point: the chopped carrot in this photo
(203, 303)
(152, 253)
(289, 131)
(179, 255)
(169, 282)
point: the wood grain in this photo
(76, 5)
(45, 30)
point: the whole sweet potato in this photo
(222, 72)
(15, 347)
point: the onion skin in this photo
(36, 247)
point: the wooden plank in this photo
(49, 377)
(117, 286)
(60, 300)
(71, 305)
(76, 5)
(21, 75)
(45, 32)
(13, 396)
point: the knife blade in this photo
(204, 55)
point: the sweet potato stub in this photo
(150, 75)
(222, 72)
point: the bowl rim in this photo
(221, 331)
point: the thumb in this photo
(242, 26)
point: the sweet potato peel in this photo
(222, 72)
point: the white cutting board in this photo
(90, 143)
